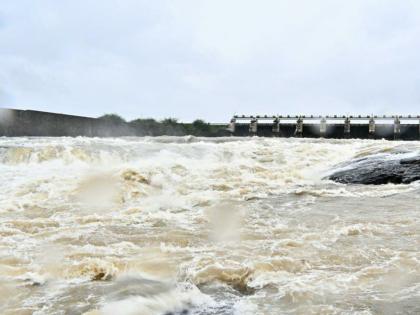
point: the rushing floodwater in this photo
(202, 226)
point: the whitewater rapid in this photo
(185, 225)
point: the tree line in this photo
(167, 126)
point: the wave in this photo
(205, 226)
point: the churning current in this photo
(184, 225)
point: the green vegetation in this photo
(113, 118)
(167, 126)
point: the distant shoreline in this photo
(16, 122)
(31, 123)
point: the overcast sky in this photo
(210, 58)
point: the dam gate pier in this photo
(336, 127)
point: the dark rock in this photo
(415, 160)
(183, 312)
(378, 170)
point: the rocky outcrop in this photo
(379, 169)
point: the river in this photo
(185, 225)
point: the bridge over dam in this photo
(339, 127)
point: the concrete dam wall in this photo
(337, 127)
(16, 123)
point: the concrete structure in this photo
(17, 123)
(253, 126)
(323, 127)
(372, 127)
(339, 127)
(276, 127)
(231, 127)
(347, 128)
(397, 128)
(299, 127)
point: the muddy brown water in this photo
(184, 225)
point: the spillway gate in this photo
(397, 127)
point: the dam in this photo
(20, 123)
(338, 127)
(32, 123)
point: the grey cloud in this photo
(210, 59)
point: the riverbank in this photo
(18, 123)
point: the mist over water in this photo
(184, 225)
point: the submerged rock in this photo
(379, 169)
